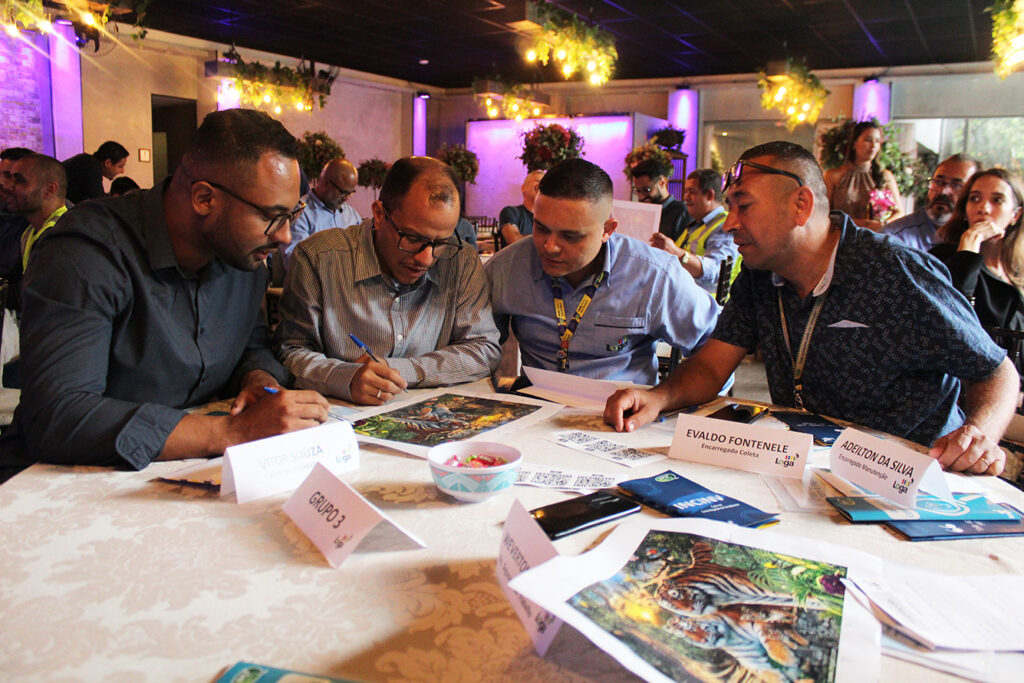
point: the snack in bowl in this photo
(475, 470)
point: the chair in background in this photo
(666, 365)
(486, 233)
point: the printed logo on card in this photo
(667, 476)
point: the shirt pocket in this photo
(622, 322)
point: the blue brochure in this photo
(822, 430)
(246, 672)
(965, 506)
(677, 496)
(955, 528)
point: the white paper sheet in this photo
(605, 448)
(571, 390)
(565, 479)
(638, 220)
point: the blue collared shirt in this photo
(916, 230)
(891, 342)
(315, 218)
(647, 297)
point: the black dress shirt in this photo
(674, 217)
(117, 339)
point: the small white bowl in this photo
(473, 484)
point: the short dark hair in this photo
(794, 158)
(239, 137)
(49, 170)
(576, 179)
(111, 151)
(15, 153)
(122, 184)
(707, 181)
(652, 168)
(961, 158)
(441, 181)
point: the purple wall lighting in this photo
(684, 114)
(228, 96)
(871, 98)
(419, 126)
(606, 142)
(66, 87)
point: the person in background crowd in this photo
(703, 246)
(517, 221)
(851, 184)
(403, 283)
(983, 247)
(650, 182)
(612, 297)
(87, 171)
(851, 324)
(326, 205)
(122, 185)
(918, 229)
(38, 194)
(139, 306)
(11, 224)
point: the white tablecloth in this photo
(114, 576)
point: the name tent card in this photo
(740, 446)
(885, 467)
(337, 519)
(524, 545)
(262, 468)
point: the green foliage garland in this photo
(1006, 26)
(315, 150)
(463, 161)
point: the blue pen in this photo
(364, 347)
(271, 390)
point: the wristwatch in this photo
(685, 258)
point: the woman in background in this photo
(851, 185)
(983, 248)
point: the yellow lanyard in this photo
(567, 329)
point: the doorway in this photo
(174, 124)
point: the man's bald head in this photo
(338, 181)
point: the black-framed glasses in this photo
(644, 190)
(736, 172)
(345, 194)
(277, 220)
(411, 243)
(940, 184)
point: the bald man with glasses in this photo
(852, 325)
(403, 284)
(136, 308)
(326, 204)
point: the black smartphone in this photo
(569, 516)
(738, 413)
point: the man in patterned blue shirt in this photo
(882, 338)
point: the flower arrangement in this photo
(797, 93)
(371, 173)
(574, 44)
(669, 138)
(1007, 35)
(544, 146)
(315, 150)
(649, 151)
(882, 204)
(259, 85)
(911, 177)
(463, 161)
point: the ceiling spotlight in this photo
(423, 94)
(424, 62)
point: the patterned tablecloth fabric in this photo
(115, 576)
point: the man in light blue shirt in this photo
(325, 204)
(581, 299)
(918, 229)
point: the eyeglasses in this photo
(345, 194)
(940, 184)
(644, 190)
(277, 220)
(411, 243)
(734, 174)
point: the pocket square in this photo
(848, 323)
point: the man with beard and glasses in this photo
(137, 307)
(851, 324)
(918, 229)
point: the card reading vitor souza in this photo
(740, 446)
(279, 463)
(884, 467)
(337, 519)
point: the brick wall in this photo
(21, 124)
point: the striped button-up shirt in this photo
(436, 332)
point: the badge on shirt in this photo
(619, 345)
